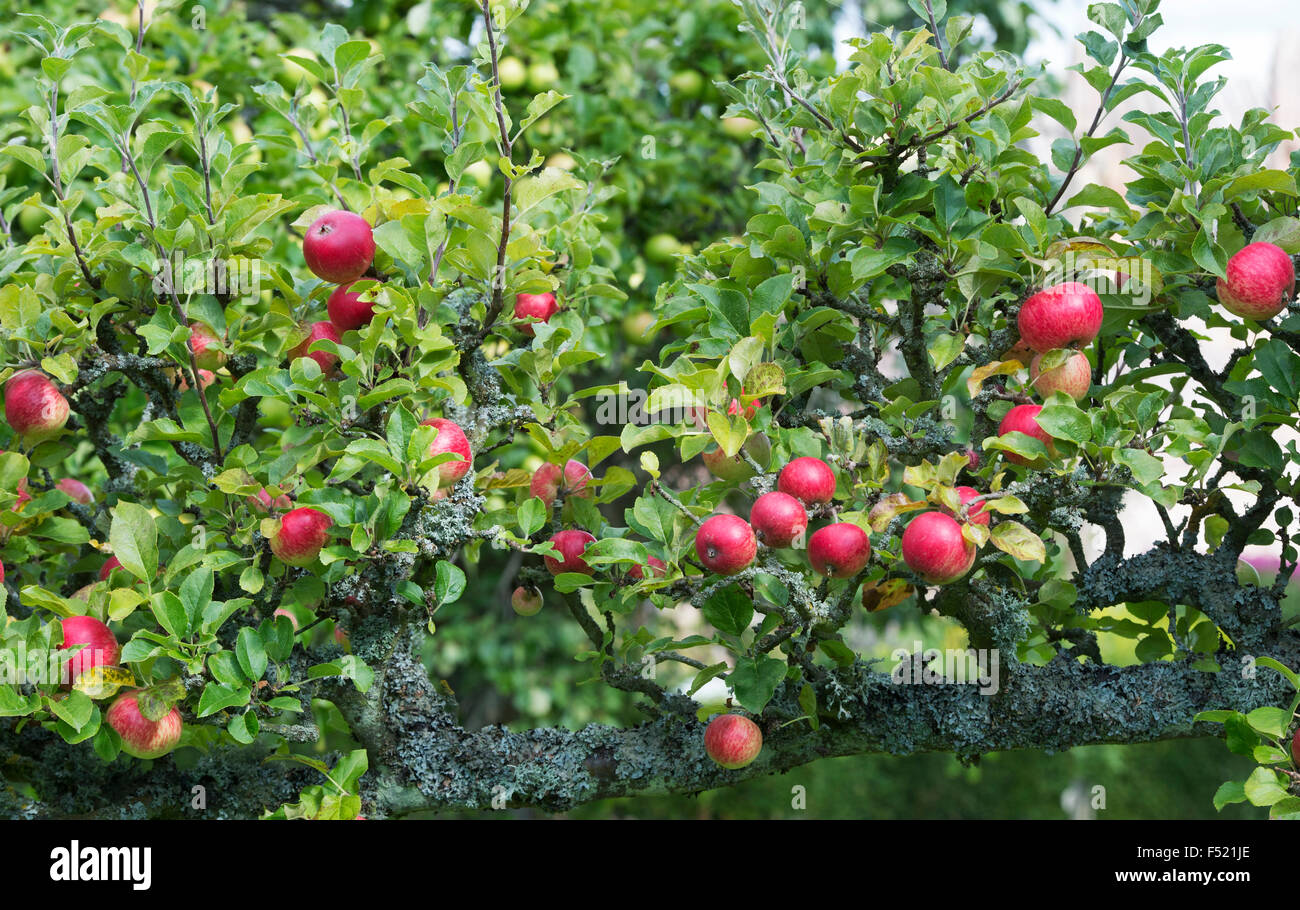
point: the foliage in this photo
(857, 302)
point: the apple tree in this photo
(274, 370)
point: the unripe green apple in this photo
(663, 249)
(512, 72)
(739, 127)
(542, 75)
(687, 83)
(32, 219)
(480, 172)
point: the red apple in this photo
(319, 331)
(1023, 418)
(978, 515)
(840, 550)
(545, 484)
(733, 740)
(1074, 377)
(263, 502)
(302, 534)
(76, 490)
(809, 480)
(526, 601)
(1295, 739)
(2, 573)
(204, 344)
(777, 519)
(654, 568)
(100, 649)
(450, 438)
(750, 409)
(339, 246)
(534, 308)
(725, 544)
(350, 311)
(571, 545)
(1261, 282)
(934, 548)
(206, 378)
(109, 565)
(293, 620)
(34, 407)
(1064, 315)
(142, 737)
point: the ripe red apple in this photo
(534, 308)
(303, 532)
(348, 310)
(570, 545)
(450, 438)
(1261, 282)
(34, 407)
(526, 601)
(204, 344)
(777, 519)
(100, 649)
(142, 737)
(109, 565)
(545, 484)
(978, 515)
(2, 573)
(809, 480)
(319, 331)
(1074, 377)
(934, 548)
(263, 502)
(339, 246)
(1295, 740)
(733, 740)
(1023, 418)
(654, 568)
(76, 490)
(206, 378)
(725, 544)
(750, 409)
(1064, 315)
(840, 550)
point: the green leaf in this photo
(134, 537)
(1232, 791)
(1263, 787)
(251, 653)
(449, 582)
(1015, 539)
(755, 680)
(729, 610)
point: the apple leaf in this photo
(1015, 539)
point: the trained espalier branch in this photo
(912, 355)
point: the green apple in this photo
(739, 127)
(542, 75)
(662, 248)
(480, 172)
(636, 327)
(32, 219)
(562, 160)
(513, 73)
(687, 83)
